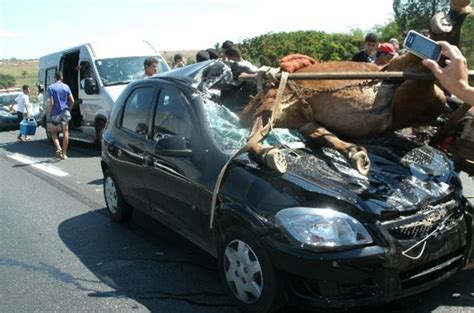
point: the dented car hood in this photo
(403, 175)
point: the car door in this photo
(171, 179)
(90, 104)
(128, 148)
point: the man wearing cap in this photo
(385, 52)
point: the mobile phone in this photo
(422, 46)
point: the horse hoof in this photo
(275, 159)
(441, 23)
(361, 162)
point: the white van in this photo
(96, 73)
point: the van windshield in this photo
(117, 71)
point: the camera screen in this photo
(423, 46)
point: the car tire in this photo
(47, 130)
(254, 290)
(99, 129)
(119, 210)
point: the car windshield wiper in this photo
(120, 82)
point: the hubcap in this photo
(111, 195)
(243, 271)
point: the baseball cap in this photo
(387, 48)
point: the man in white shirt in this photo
(22, 110)
(151, 67)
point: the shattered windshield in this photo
(231, 136)
(116, 71)
(213, 82)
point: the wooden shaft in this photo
(354, 75)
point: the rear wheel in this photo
(99, 129)
(47, 130)
(119, 210)
(248, 273)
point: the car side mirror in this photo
(90, 86)
(172, 145)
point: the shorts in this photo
(20, 116)
(63, 117)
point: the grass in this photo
(24, 71)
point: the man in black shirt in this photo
(370, 45)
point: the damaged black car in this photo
(319, 235)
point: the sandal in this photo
(59, 154)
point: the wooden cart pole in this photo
(354, 75)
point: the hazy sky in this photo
(32, 28)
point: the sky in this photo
(30, 29)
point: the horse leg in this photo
(271, 157)
(448, 27)
(356, 154)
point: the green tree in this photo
(467, 41)
(416, 14)
(387, 31)
(269, 48)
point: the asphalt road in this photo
(59, 252)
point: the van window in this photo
(117, 71)
(50, 77)
(137, 109)
(172, 115)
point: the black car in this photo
(319, 235)
(8, 116)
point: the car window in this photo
(172, 115)
(8, 99)
(137, 109)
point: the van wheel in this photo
(48, 132)
(99, 129)
(119, 210)
(248, 273)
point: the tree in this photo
(416, 14)
(269, 48)
(467, 40)
(387, 31)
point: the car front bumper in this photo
(370, 275)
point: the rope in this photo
(254, 139)
(423, 241)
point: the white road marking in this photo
(35, 163)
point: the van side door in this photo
(89, 103)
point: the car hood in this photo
(403, 174)
(113, 92)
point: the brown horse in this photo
(353, 108)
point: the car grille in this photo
(431, 271)
(433, 217)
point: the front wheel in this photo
(99, 129)
(119, 210)
(248, 273)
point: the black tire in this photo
(99, 129)
(48, 132)
(119, 210)
(266, 279)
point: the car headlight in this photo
(323, 228)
